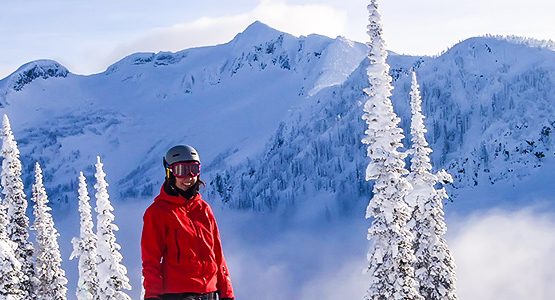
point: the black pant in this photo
(191, 296)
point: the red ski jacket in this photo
(181, 248)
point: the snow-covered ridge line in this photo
(513, 39)
(526, 41)
(28, 72)
(476, 97)
(487, 105)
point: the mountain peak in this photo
(28, 72)
(45, 64)
(258, 26)
(256, 33)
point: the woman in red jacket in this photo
(180, 245)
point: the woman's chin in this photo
(184, 187)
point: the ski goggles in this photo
(183, 169)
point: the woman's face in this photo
(184, 183)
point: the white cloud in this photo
(294, 19)
(506, 255)
(499, 254)
(347, 282)
(301, 19)
(101, 34)
(201, 32)
(427, 27)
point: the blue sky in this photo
(88, 36)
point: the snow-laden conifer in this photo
(17, 227)
(52, 282)
(10, 273)
(391, 257)
(84, 247)
(434, 266)
(112, 274)
(10, 268)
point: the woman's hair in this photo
(172, 189)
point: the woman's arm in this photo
(152, 249)
(224, 286)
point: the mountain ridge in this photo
(242, 101)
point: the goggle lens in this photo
(182, 169)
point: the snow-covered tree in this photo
(391, 257)
(112, 274)
(435, 267)
(84, 247)
(17, 226)
(10, 273)
(51, 277)
(10, 268)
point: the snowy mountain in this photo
(276, 117)
(489, 111)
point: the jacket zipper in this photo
(177, 245)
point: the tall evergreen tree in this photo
(391, 256)
(10, 268)
(84, 247)
(51, 277)
(14, 198)
(112, 274)
(435, 267)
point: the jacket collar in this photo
(164, 196)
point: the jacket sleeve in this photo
(224, 286)
(152, 249)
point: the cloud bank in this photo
(506, 255)
(500, 254)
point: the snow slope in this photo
(267, 96)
